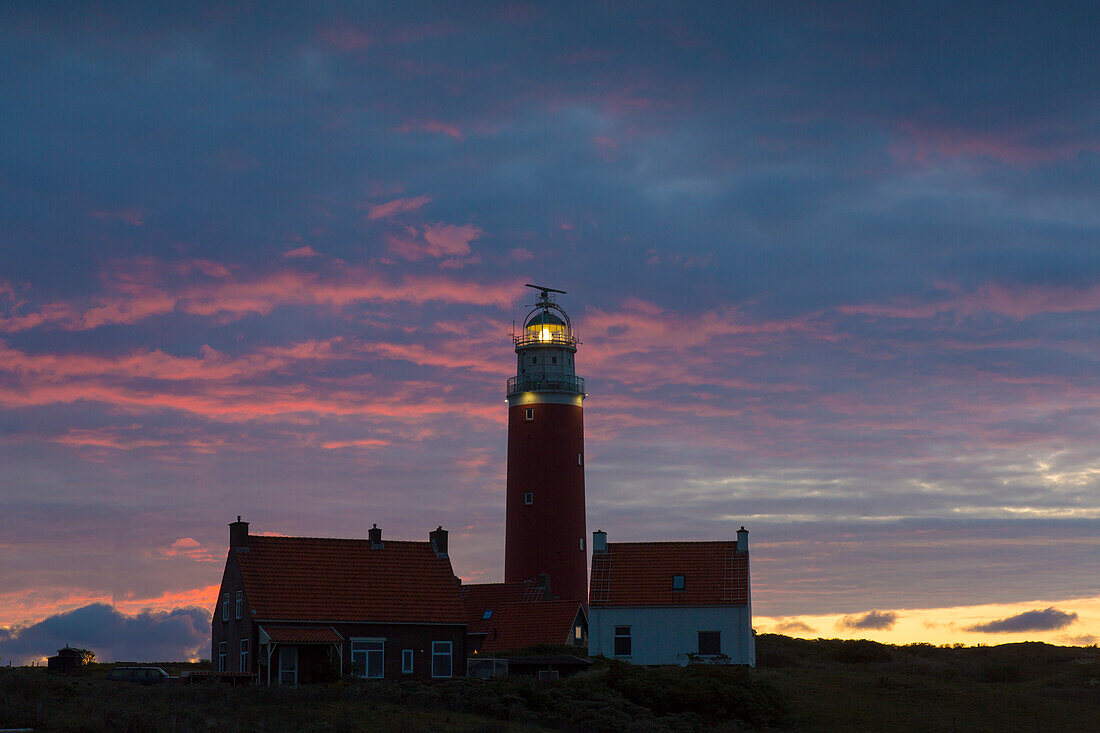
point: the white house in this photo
(671, 602)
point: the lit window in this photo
(240, 602)
(407, 661)
(622, 641)
(222, 655)
(225, 607)
(244, 656)
(710, 642)
(578, 633)
(677, 582)
(441, 659)
(368, 656)
(529, 498)
(487, 615)
(530, 413)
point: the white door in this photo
(288, 665)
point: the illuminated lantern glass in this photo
(545, 327)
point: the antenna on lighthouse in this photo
(544, 296)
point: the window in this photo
(441, 659)
(225, 607)
(548, 674)
(553, 360)
(582, 544)
(710, 642)
(530, 413)
(368, 656)
(534, 360)
(622, 641)
(407, 661)
(240, 602)
(487, 615)
(529, 498)
(578, 632)
(221, 655)
(580, 459)
(677, 582)
(244, 656)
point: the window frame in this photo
(626, 637)
(243, 662)
(717, 637)
(528, 498)
(367, 652)
(240, 604)
(679, 582)
(223, 655)
(225, 606)
(529, 414)
(406, 661)
(449, 654)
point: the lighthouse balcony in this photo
(546, 383)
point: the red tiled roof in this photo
(519, 625)
(640, 574)
(316, 579)
(302, 634)
(480, 597)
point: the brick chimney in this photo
(238, 535)
(742, 540)
(438, 538)
(599, 541)
(375, 535)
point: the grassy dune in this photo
(822, 685)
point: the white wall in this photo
(668, 635)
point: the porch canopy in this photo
(273, 636)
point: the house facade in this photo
(295, 610)
(671, 602)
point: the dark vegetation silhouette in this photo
(799, 685)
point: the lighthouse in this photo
(545, 497)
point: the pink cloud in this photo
(336, 444)
(392, 208)
(146, 291)
(435, 240)
(1019, 147)
(305, 251)
(1015, 302)
(346, 38)
(132, 216)
(444, 128)
(190, 548)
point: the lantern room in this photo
(545, 347)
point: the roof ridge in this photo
(266, 537)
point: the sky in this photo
(835, 269)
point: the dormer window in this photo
(677, 582)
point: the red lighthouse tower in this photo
(545, 516)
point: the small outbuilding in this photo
(68, 660)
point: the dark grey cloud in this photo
(793, 626)
(869, 620)
(1048, 619)
(180, 634)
